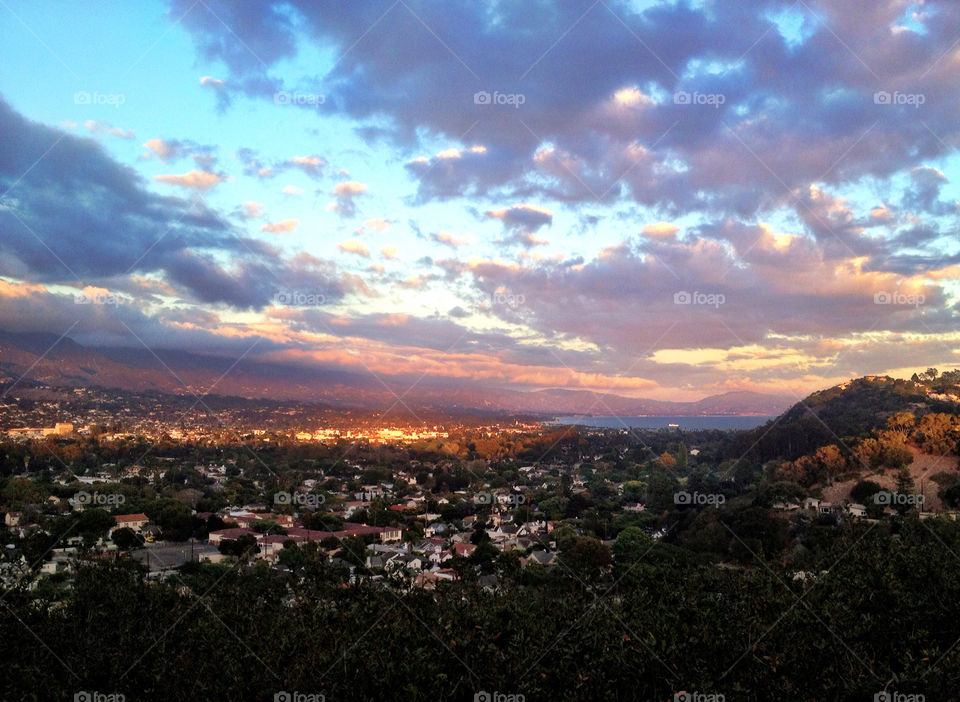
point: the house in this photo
(130, 521)
(271, 546)
(408, 561)
(437, 528)
(785, 506)
(216, 537)
(856, 510)
(434, 545)
(248, 519)
(386, 534)
(544, 558)
(350, 507)
(488, 582)
(375, 562)
(464, 550)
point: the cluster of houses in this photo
(817, 505)
(423, 562)
(58, 429)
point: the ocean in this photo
(726, 422)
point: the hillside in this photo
(846, 412)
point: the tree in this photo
(905, 484)
(869, 453)
(951, 496)
(126, 538)
(631, 545)
(93, 524)
(902, 423)
(864, 490)
(586, 556)
(479, 535)
(242, 547)
(291, 556)
(666, 461)
(831, 460)
(936, 433)
(661, 488)
(268, 526)
(354, 550)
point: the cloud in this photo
(345, 193)
(661, 229)
(354, 246)
(448, 239)
(98, 127)
(523, 216)
(389, 252)
(252, 210)
(102, 225)
(219, 88)
(281, 227)
(524, 239)
(311, 165)
(292, 190)
(197, 180)
(174, 149)
(718, 121)
(162, 149)
(377, 225)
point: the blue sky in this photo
(516, 199)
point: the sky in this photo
(657, 199)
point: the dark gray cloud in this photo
(69, 213)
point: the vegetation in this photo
(653, 625)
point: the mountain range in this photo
(39, 359)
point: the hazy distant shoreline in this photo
(724, 422)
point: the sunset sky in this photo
(658, 199)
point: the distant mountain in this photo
(40, 359)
